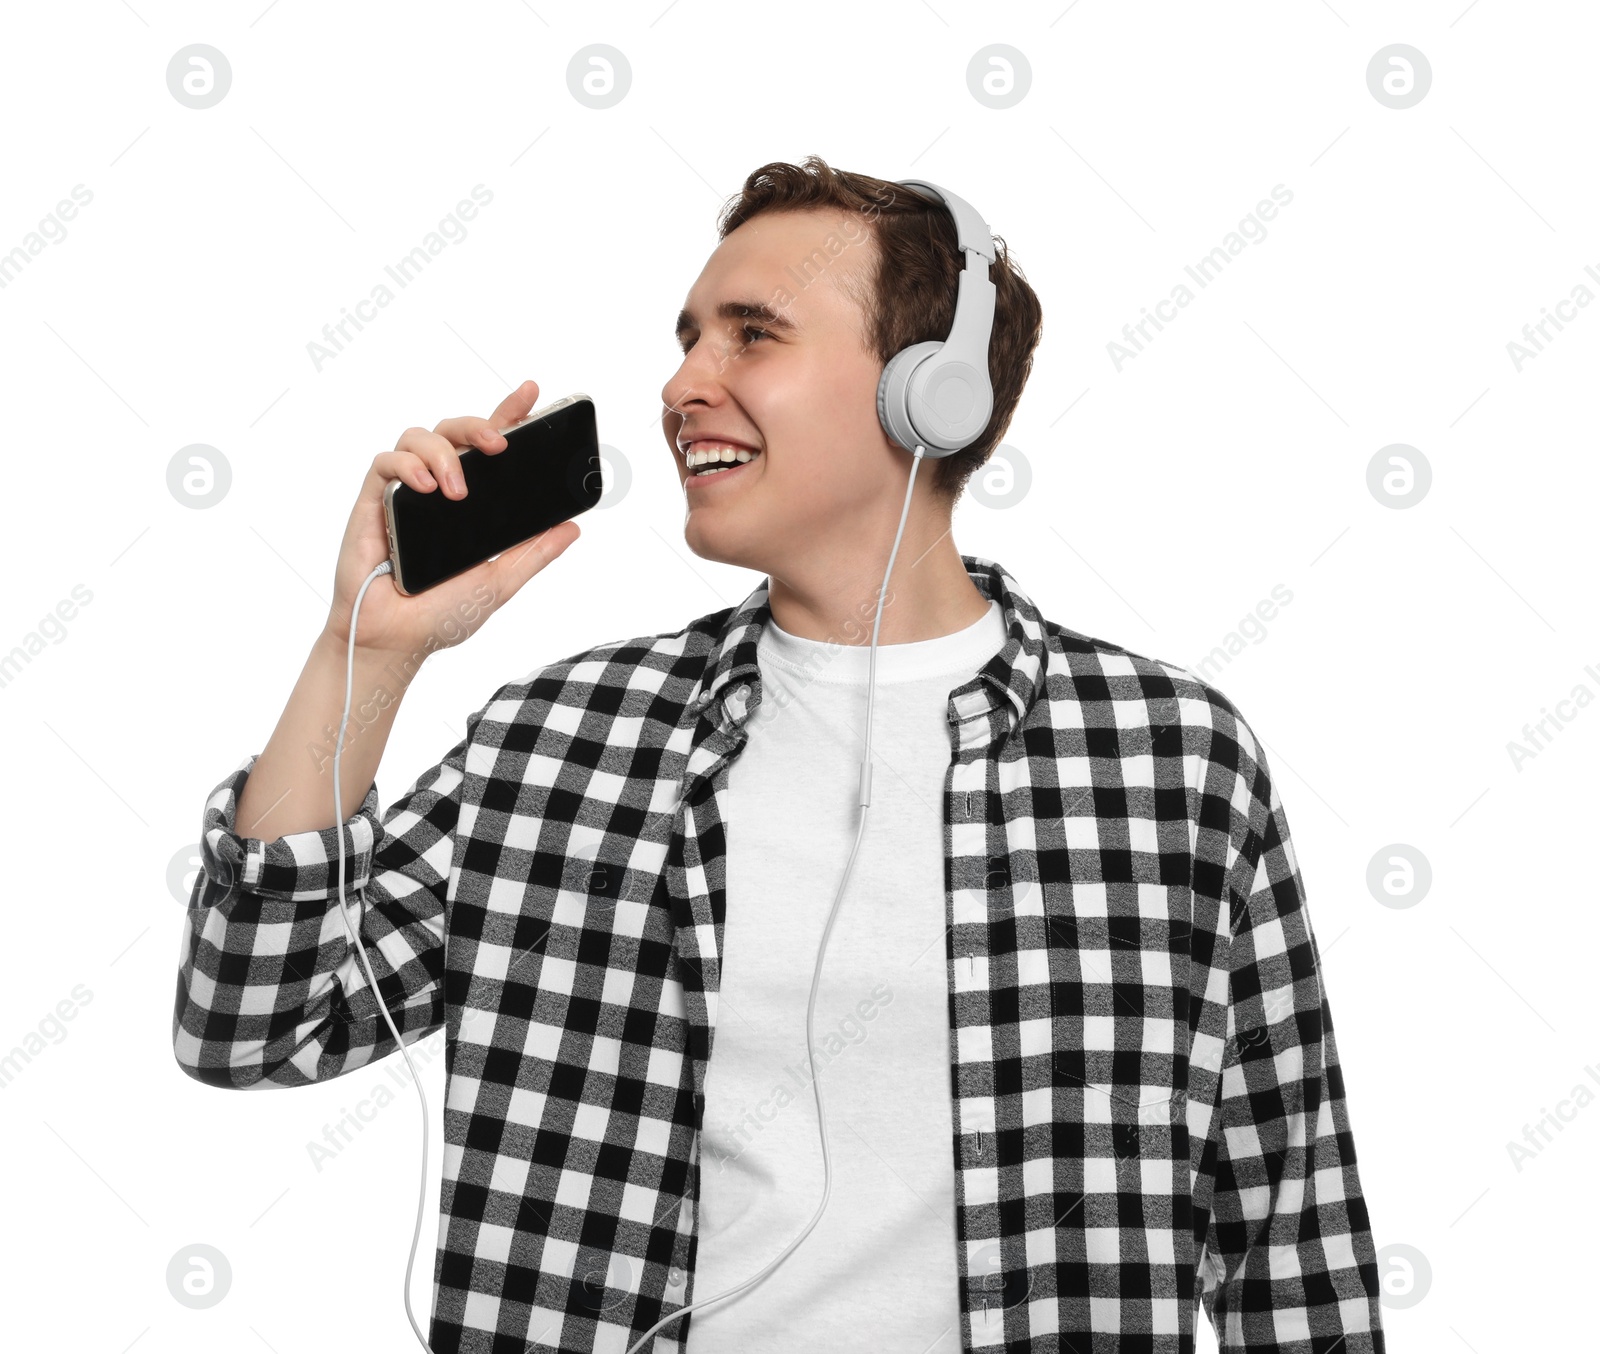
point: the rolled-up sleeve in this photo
(270, 991)
(1289, 1265)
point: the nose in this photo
(690, 386)
(691, 381)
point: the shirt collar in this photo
(1014, 676)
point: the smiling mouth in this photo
(709, 468)
(701, 474)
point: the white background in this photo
(1167, 500)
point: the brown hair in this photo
(912, 294)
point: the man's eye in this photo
(746, 330)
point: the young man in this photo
(1076, 1059)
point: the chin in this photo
(707, 547)
(738, 547)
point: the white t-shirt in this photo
(879, 1270)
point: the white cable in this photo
(866, 798)
(355, 937)
(816, 977)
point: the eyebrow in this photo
(740, 310)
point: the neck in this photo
(930, 593)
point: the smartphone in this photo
(548, 472)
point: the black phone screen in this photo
(548, 472)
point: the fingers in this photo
(436, 452)
(405, 466)
(428, 460)
(485, 432)
(516, 406)
(471, 432)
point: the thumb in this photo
(521, 562)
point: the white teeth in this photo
(706, 454)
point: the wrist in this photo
(367, 658)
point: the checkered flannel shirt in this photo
(1148, 1114)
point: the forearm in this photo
(290, 787)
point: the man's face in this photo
(805, 397)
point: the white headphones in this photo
(937, 395)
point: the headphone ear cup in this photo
(894, 408)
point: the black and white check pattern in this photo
(1149, 1111)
